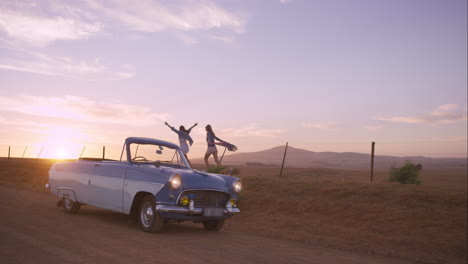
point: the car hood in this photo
(202, 180)
(194, 179)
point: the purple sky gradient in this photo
(322, 75)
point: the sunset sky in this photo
(323, 75)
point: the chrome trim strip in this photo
(194, 211)
(191, 207)
(154, 183)
(229, 207)
(107, 176)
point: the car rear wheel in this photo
(213, 225)
(70, 206)
(148, 218)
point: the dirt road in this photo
(34, 230)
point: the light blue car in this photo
(154, 183)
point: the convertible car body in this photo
(155, 183)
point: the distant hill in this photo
(346, 160)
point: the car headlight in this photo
(175, 181)
(237, 186)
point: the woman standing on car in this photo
(183, 137)
(210, 140)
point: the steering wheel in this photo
(139, 158)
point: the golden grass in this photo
(25, 173)
(409, 221)
(336, 208)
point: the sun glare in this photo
(61, 143)
(61, 150)
(61, 153)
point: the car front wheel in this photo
(148, 218)
(70, 206)
(213, 225)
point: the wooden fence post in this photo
(372, 162)
(103, 152)
(284, 157)
(40, 152)
(24, 152)
(9, 148)
(84, 147)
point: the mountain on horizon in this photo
(296, 157)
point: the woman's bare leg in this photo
(215, 156)
(206, 161)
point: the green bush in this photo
(223, 170)
(407, 174)
(215, 169)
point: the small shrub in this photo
(407, 174)
(215, 169)
(223, 170)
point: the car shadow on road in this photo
(120, 220)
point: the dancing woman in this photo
(183, 138)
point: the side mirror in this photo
(157, 163)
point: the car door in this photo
(106, 186)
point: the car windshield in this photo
(166, 156)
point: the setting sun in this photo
(62, 142)
(61, 150)
(61, 153)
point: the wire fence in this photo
(57, 152)
(114, 151)
(282, 158)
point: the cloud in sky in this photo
(250, 131)
(25, 30)
(154, 16)
(80, 109)
(443, 114)
(327, 126)
(226, 39)
(39, 24)
(37, 30)
(41, 63)
(28, 27)
(373, 127)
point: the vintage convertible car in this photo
(155, 183)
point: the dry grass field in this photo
(335, 208)
(341, 209)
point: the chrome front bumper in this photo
(191, 210)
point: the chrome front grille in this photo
(203, 198)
